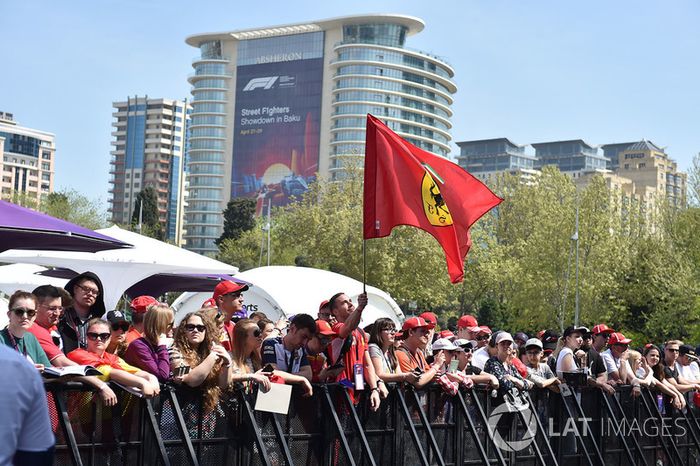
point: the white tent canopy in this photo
(119, 269)
(15, 277)
(288, 290)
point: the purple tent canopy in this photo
(159, 284)
(22, 228)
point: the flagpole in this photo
(364, 265)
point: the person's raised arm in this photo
(353, 320)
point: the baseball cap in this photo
(601, 328)
(533, 342)
(115, 317)
(324, 328)
(617, 338)
(444, 344)
(688, 351)
(140, 304)
(464, 343)
(522, 336)
(484, 329)
(211, 302)
(446, 334)
(467, 321)
(416, 322)
(504, 336)
(570, 330)
(324, 304)
(429, 317)
(227, 286)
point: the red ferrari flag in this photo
(405, 185)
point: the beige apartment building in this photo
(27, 158)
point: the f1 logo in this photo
(260, 83)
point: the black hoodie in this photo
(71, 327)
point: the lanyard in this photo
(15, 344)
(289, 363)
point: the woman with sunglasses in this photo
(383, 353)
(120, 327)
(197, 360)
(112, 366)
(21, 313)
(245, 357)
(464, 365)
(150, 352)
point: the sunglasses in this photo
(193, 327)
(673, 350)
(98, 336)
(234, 295)
(21, 311)
(483, 337)
(324, 315)
(257, 332)
(124, 326)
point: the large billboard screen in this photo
(276, 132)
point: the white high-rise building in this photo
(150, 147)
(275, 106)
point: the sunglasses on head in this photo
(98, 336)
(124, 326)
(21, 311)
(193, 327)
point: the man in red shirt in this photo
(49, 308)
(350, 347)
(229, 300)
(411, 356)
(139, 307)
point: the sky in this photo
(601, 71)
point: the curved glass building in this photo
(275, 107)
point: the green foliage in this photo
(638, 270)
(74, 207)
(150, 222)
(239, 217)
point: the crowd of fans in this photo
(220, 345)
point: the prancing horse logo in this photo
(436, 210)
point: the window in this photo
(46, 155)
(137, 175)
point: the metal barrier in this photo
(580, 426)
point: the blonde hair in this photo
(240, 335)
(157, 321)
(634, 356)
(674, 342)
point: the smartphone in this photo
(268, 368)
(453, 365)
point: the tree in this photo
(74, 207)
(239, 217)
(694, 181)
(150, 221)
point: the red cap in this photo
(324, 304)
(140, 304)
(485, 329)
(324, 328)
(618, 338)
(211, 302)
(601, 328)
(226, 287)
(416, 322)
(467, 321)
(447, 334)
(429, 317)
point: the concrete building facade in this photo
(27, 159)
(149, 150)
(275, 107)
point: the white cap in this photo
(504, 336)
(444, 344)
(533, 342)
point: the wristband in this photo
(379, 381)
(375, 389)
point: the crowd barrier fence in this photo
(581, 426)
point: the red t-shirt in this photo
(132, 335)
(45, 340)
(227, 336)
(317, 362)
